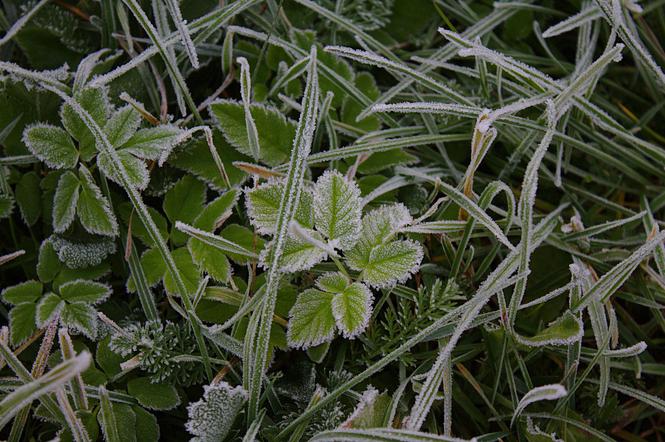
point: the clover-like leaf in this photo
(65, 201)
(311, 319)
(337, 209)
(52, 145)
(93, 208)
(211, 417)
(263, 206)
(96, 102)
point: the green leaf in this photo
(243, 237)
(188, 270)
(48, 307)
(153, 396)
(151, 142)
(212, 417)
(122, 125)
(93, 208)
(65, 201)
(263, 206)
(352, 309)
(147, 429)
(107, 359)
(543, 393)
(297, 255)
(333, 282)
(563, 331)
(391, 263)
(184, 202)
(90, 292)
(26, 193)
(210, 259)
(6, 206)
(217, 211)
(22, 322)
(275, 132)
(378, 226)
(52, 145)
(95, 101)
(153, 269)
(24, 292)
(371, 411)
(48, 264)
(81, 317)
(137, 170)
(337, 209)
(311, 319)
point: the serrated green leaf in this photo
(210, 259)
(311, 319)
(151, 142)
(333, 282)
(211, 417)
(275, 132)
(52, 145)
(95, 101)
(245, 238)
(378, 226)
(263, 206)
(6, 205)
(297, 255)
(81, 317)
(90, 292)
(122, 125)
(216, 211)
(352, 309)
(22, 322)
(137, 170)
(337, 209)
(65, 201)
(93, 208)
(390, 263)
(107, 359)
(25, 193)
(24, 292)
(371, 411)
(48, 306)
(153, 396)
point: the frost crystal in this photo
(211, 417)
(337, 208)
(77, 255)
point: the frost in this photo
(77, 255)
(311, 320)
(52, 145)
(337, 208)
(586, 15)
(246, 93)
(93, 208)
(297, 254)
(181, 26)
(211, 417)
(352, 309)
(543, 393)
(122, 125)
(538, 434)
(65, 201)
(263, 206)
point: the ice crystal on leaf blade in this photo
(211, 418)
